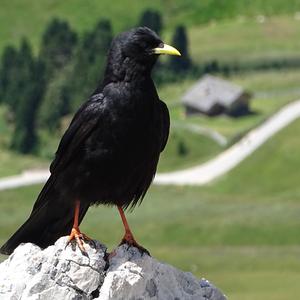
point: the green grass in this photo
(276, 82)
(197, 149)
(245, 39)
(4, 128)
(12, 163)
(242, 232)
(29, 18)
(20, 18)
(277, 163)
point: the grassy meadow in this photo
(12, 163)
(20, 18)
(246, 39)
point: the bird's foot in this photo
(79, 237)
(131, 242)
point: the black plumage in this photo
(110, 151)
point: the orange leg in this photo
(75, 232)
(128, 236)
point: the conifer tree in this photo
(57, 47)
(30, 92)
(8, 74)
(15, 74)
(57, 52)
(90, 62)
(152, 19)
(180, 41)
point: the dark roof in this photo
(209, 91)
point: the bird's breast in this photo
(121, 155)
(131, 133)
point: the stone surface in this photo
(32, 273)
(60, 272)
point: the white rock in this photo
(60, 272)
(32, 273)
(134, 276)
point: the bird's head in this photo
(143, 44)
(139, 46)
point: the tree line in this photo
(41, 89)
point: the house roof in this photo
(209, 91)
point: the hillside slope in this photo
(29, 18)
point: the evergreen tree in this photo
(56, 102)
(57, 52)
(152, 19)
(180, 41)
(30, 92)
(90, 62)
(8, 73)
(15, 74)
(58, 45)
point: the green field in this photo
(19, 18)
(13, 163)
(242, 33)
(245, 39)
(242, 232)
(198, 149)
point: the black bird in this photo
(110, 151)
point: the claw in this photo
(75, 232)
(131, 242)
(78, 237)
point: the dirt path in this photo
(230, 158)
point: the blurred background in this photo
(241, 231)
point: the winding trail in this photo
(23, 179)
(231, 157)
(201, 174)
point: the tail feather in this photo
(50, 219)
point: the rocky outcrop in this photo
(60, 272)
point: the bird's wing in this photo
(165, 123)
(83, 123)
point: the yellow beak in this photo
(166, 49)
